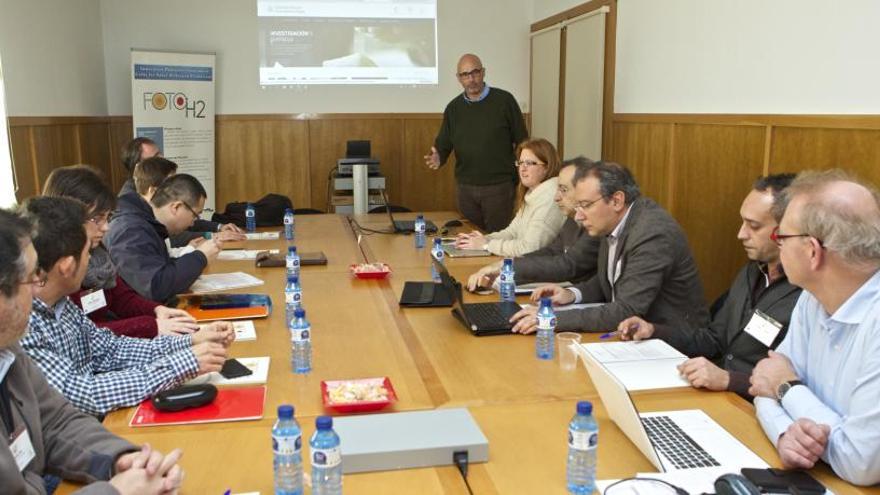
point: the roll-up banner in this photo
(172, 96)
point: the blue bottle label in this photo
(288, 220)
(292, 297)
(326, 458)
(438, 254)
(251, 213)
(503, 277)
(286, 445)
(582, 440)
(546, 323)
(300, 334)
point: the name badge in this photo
(763, 328)
(22, 449)
(93, 301)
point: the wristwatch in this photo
(784, 387)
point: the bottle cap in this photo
(420, 216)
(291, 249)
(508, 261)
(585, 407)
(299, 313)
(288, 210)
(324, 422)
(292, 278)
(285, 411)
(437, 241)
(545, 302)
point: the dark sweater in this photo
(126, 313)
(483, 135)
(724, 340)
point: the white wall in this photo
(53, 60)
(497, 30)
(748, 56)
(542, 9)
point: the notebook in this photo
(213, 307)
(231, 404)
(644, 365)
(223, 281)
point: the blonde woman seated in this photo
(538, 219)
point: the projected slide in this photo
(347, 42)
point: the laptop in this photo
(453, 252)
(401, 226)
(671, 440)
(482, 319)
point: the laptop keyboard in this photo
(491, 315)
(675, 444)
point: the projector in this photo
(345, 165)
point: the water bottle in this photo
(287, 450)
(292, 296)
(292, 261)
(544, 340)
(301, 338)
(288, 225)
(506, 284)
(250, 215)
(326, 459)
(420, 231)
(438, 254)
(583, 435)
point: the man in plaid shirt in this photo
(96, 370)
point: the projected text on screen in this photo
(347, 42)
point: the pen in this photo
(609, 335)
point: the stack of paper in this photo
(244, 330)
(223, 281)
(644, 365)
(263, 236)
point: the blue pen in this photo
(609, 335)
(227, 492)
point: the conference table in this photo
(522, 404)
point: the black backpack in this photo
(270, 211)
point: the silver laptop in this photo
(453, 252)
(671, 440)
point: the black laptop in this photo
(401, 226)
(491, 318)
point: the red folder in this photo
(231, 404)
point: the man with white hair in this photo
(817, 395)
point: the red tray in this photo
(361, 406)
(386, 270)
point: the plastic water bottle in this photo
(326, 459)
(544, 340)
(583, 435)
(292, 261)
(289, 232)
(250, 215)
(438, 254)
(292, 296)
(420, 231)
(506, 284)
(287, 450)
(301, 338)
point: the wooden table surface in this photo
(522, 404)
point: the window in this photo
(7, 175)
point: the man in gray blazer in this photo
(571, 257)
(645, 265)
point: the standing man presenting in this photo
(483, 126)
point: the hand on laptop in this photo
(702, 373)
(525, 320)
(635, 328)
(483, 278)
(802, 444)
(558, 295)
(474, 240)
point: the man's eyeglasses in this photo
(38, 278)
(525, 163)
(101, 219)
(776, 237)
(585, 205)
(472, 73)
(199, 214)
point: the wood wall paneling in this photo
(54, 146)
(94, 147)
(715, 167)
(420, 188)
(23, 162)
(645, 149)
(856, 150)
(255, 158)
(119, 132)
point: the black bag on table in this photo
(270, 211)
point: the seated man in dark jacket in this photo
(645, 265)
(136, 239)
(64, 441)
(571, 257)
(754, 317)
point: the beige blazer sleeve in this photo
(535, 225)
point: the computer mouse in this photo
(453, 223)
(735, 484)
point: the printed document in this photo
(644, 365)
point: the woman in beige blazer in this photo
(538, 219)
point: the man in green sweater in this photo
(483, 126)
